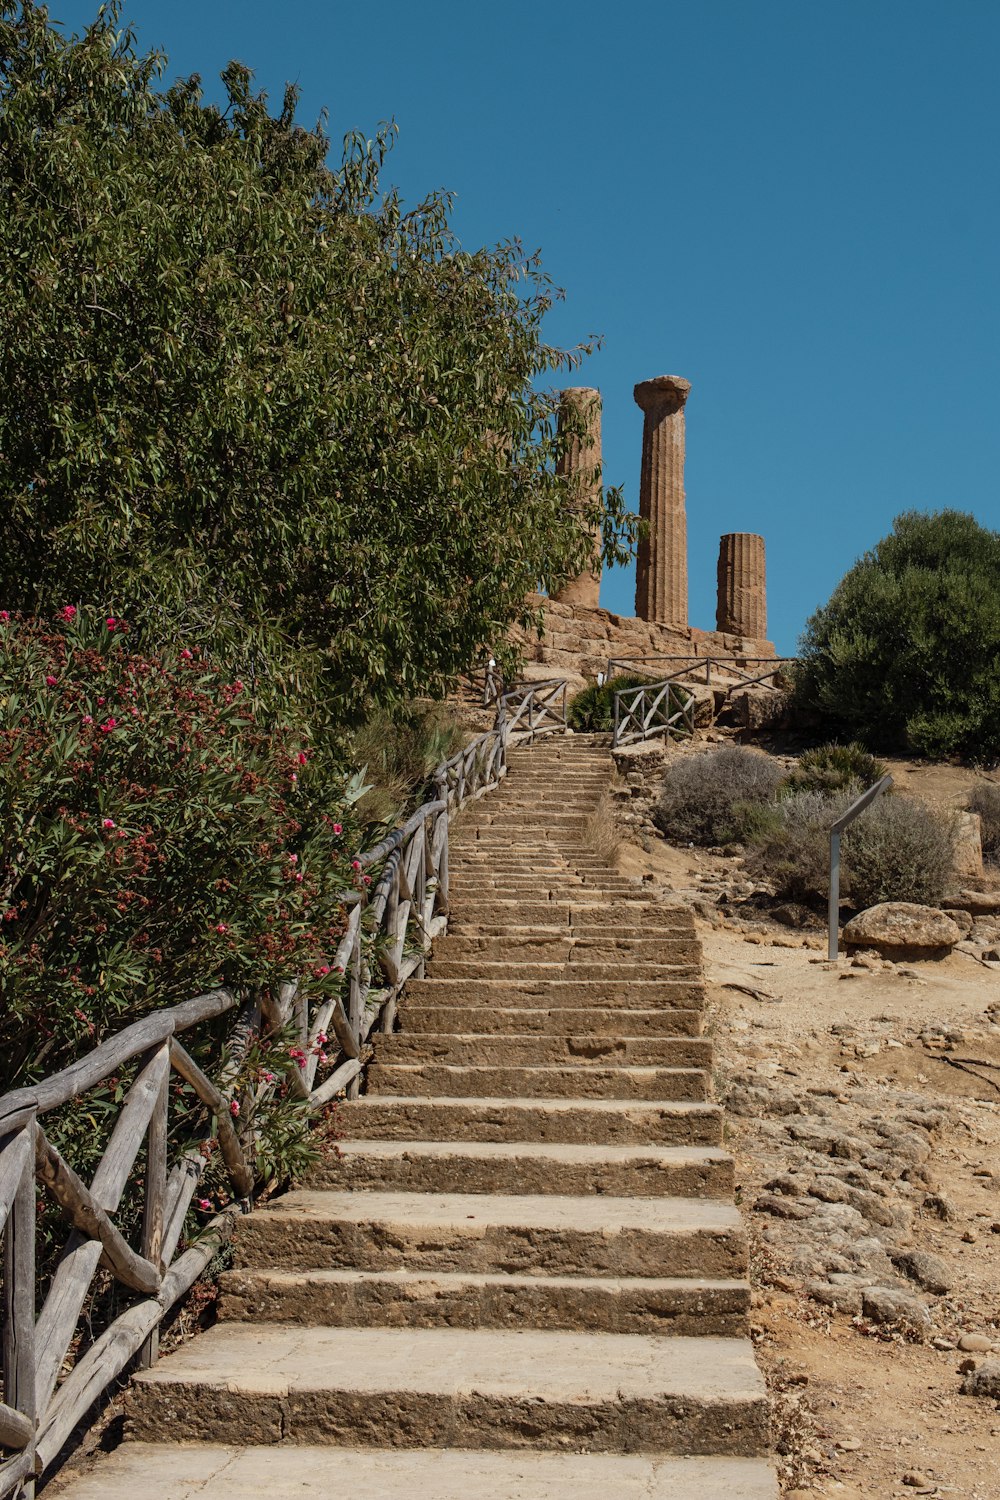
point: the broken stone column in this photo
(581, 462)
(742, 598)
(661, 570)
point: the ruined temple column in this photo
(742, 600)
(582, 463)
(661, 571)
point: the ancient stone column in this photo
(742, 599)
(661, 571)
(581, 462)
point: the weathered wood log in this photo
(58, 1318)
(337, 1080)
(232, 1152)
(112, 1055)
(16, 1150)
(109, 1355)
(16, 1431)
(19, 1301)
(86, 1214)
(15, 1471)
(154, 1205)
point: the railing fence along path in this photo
(397, 920)
(728, 671)
(661, 706)
(658, 708)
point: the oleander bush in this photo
(157, 839)
(708, 798)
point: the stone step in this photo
(553, 1082)
(617, 993)
(684, 966)
(541, 1234)
(573, 931)
(606, 916)
(677, 1306)
(302, 1472)
(559, 947)
(543, 1020)
(526, 1167)
(497, 1389)
(396, 1117)
(581, 1051)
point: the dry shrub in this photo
(897, 850)
(400, 752)
(600, 834)
(706, 798)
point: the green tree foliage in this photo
(250, 397)
(905, 653)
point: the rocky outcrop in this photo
(903, 929)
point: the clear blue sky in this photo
(794, 204)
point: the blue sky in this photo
(793, 204)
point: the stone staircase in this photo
(521, 1275)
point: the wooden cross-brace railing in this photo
(387, 937)
(654, 708)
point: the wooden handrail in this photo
(387, 938)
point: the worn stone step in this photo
(583, 1051)
(396, 1117)
(684, 965)
(676, 1306)
(608, 1392)
(302, 1472)
(572, 931)
(526, 1167)
(559, 947)
(603, 915)
(618, 993)
(544, 1020)
(542, 1082)
(538, 1234)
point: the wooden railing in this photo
(654, 708)
(396, 920)
(727, 671)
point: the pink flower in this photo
(68, 612)
(205, 1204)
(319, 972)
(268, 1077)
(298, 879)
(107, 822)
(234, 1107)
(87, 719)
(367, 879)
(293, 859)
(321, 1038)
(338, 827)
(108, 725)
(4, 615)
(51, 681)
(111, 622)
(355, 864)
(187, 655)
(221, 927)
(293, 777)
(322, 1057)
(302, 758)
(100, 700)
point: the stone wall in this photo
(578, 642)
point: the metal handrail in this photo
(856, 808)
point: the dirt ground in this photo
(875, 1084)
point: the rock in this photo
(979, 903)
(791, 914)
(782, 1208)
(975, 1343)
(928, 1271)
(841, 1298)
(962, 919)
(902, 929)
(968, 850)
(889, 1306)
(939, 1205)
(983, 1382)
(758, 708)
